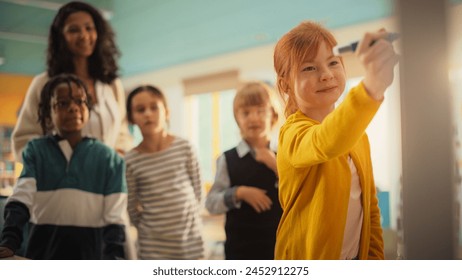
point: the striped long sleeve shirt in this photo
(164, 198)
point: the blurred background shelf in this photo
(8, 167)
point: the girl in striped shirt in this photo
(164, 183)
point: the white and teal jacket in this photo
(74, 199)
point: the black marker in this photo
(352, 47)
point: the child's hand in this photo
(255, 197)
(6, 252)
(378, 58)
(267, 157)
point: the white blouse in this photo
(352, 234)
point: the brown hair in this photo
(254, 94)
(297, 46)
(102, 64)
(149, 88)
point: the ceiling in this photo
(156, 34)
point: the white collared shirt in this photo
(222, 196)
(352, 234)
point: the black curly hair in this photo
(47, 93)
(102, 64)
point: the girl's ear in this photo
(283, 86)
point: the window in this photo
(212, 128)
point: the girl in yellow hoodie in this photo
(326, 184)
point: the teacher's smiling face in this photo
(80, 34)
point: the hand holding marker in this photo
(352, 47)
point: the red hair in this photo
(294, 48)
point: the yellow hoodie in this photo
(314, 181)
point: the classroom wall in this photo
(12, 91)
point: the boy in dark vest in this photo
(245, 186)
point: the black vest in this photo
(251, 235)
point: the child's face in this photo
(320, 82)
(80, 34)
(149, 113)
(69, 110)
(255, 122)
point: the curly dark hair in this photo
(102, 64)
(47, 93)
(149, 88)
